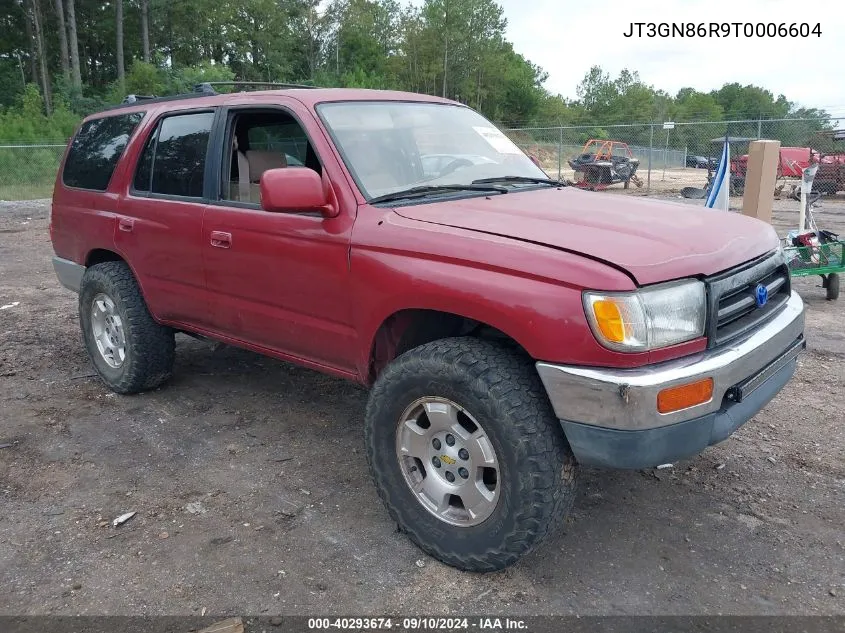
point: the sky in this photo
(566, 37)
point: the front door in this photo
(279, 281)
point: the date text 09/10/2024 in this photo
(491, 624)
(723, 29)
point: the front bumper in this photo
(610, 416)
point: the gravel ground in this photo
(252, 493)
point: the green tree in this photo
(625, 99)
(750, 102)
(691, 105)
(454, 48)
(363, 40)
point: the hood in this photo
(650, 239)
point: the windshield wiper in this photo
(527, 179)
(424, 190)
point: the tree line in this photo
(60, 59)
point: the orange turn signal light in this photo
(685, 396)
(609, 320)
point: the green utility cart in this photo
(826, 260)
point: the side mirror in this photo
(294, 190)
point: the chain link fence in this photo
(670, 157)
(673, 156)
(28, 170)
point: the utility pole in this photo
(650, 152)
(145, 29)
(76, 77)
(560, 154)
(121, 66)
(446, 48)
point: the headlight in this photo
(650, 318)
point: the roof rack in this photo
(136, 98)
(207, 87)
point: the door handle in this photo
(126, 224)
(219, 239)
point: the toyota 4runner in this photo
(509, 327)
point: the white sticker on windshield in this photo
(497, 140)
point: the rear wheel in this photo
(130, 351)
(832, 286)
(467, 454)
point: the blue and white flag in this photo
(720, 191)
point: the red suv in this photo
(509, 327)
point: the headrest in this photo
(262, 160)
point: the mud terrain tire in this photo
(130, 351)
(500, 389)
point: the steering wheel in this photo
(454, 166)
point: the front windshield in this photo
(391, 146)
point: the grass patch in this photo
(26, 191)
(27, 173)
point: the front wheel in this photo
(467, 453)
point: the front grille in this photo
(732, 298)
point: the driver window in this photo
(262, 141)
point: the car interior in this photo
(261, 141)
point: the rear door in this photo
(278, 281)
(159, 230)
(85, 202)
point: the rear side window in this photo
(173, 161)
(96, 149)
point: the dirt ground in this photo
(253, 497)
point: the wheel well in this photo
(407, 329)
(100, 255)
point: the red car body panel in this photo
(528, 291)
(316, 290)
(283, 283)
(652, 240)
(793, 161)
(829, 178)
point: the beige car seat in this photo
(374, 163)
(251, 165)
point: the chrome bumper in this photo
(69, 273)
(626, 399)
